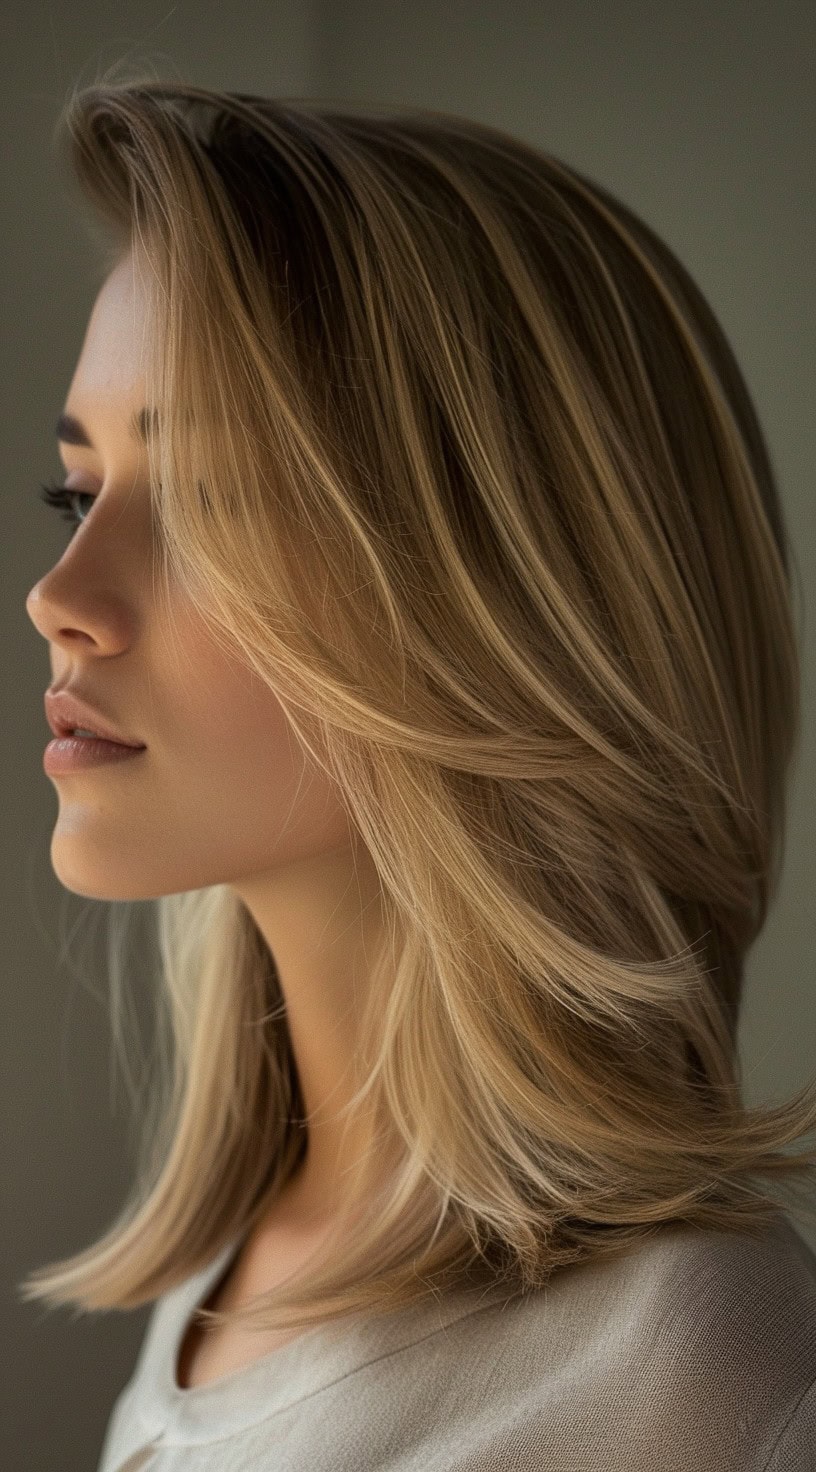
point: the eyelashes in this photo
(61, 498)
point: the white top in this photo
(695, 1353)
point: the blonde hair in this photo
(468, 472)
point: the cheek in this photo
(240, 770)
(249, 768)
(255, 746)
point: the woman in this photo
(428, 570)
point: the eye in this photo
(61, 498)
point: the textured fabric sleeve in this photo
(795, 1449)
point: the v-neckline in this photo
(283, 1377)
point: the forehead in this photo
(112, 358)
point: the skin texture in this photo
(224, 793)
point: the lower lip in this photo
(72, 753)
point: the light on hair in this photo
(471, 477)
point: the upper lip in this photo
(64, 711)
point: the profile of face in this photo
(224, 792)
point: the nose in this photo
(56, 630)
(33, 606)
(74, 614)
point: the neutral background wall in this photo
(702, 117)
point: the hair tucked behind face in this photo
(454, 451)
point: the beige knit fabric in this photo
(696, 1353)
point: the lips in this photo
(64, 711)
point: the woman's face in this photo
(224, 792)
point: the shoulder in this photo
(694, 1350)
(683, 1294)
(795, 1448)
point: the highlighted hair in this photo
(467, 471)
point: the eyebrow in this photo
(71, 432)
